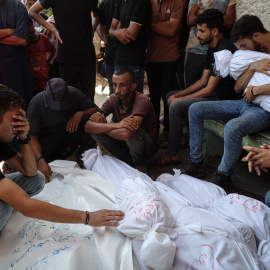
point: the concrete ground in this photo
(244, 182)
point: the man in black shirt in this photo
(135, 18)
(76, 53)
(16, 188)
(209, 87)
(106, 13)
(57, 117)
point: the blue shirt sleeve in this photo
(22, 23)
(193, 2)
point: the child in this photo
(36, 53)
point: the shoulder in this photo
(36, 101)
(142, 98)
(226, 44)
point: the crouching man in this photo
(16, 188)
(57, 117)
(131, 137)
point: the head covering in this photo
(56, 95)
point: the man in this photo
(131, 138)
(259, 158)
(16, 188)
(162, 53)
(195, 51)
(14, 68)
(57, 117)
(243, 117)
(130, 26)
(209, 87)
(76, 53)
(106, 13)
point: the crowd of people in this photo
(173, 42)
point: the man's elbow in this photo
(24, 43)
(127, 136)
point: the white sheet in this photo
(27, 243)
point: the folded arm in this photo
(168, 28)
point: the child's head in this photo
(28, 3)
(31, 29)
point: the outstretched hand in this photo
(105, 218)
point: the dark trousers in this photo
(161, 80)
(194, 66)
(139, 149)
(80, 76)
(56, 150)
(181, 69)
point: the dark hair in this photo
(30, 22)
(9, 99)
(246, 26)
(213, 18)
(125, 69)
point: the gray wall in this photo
(260, 8)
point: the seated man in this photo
(57, 117)
(131, 138)
(209, 87)
(259, 158)
(16, 188)
(243, 117)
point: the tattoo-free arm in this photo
(34, 14)
(14, 41)
(168, 28)
(229, 16)
(21, 202)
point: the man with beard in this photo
(131, 137)
(243, 117)
(209, 87)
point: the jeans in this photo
(177, 111)
(194, 66)
(80, 76)
(109, 69)
(138, 150)
(31, 185)
(161, 80)
(243, 119)
(267, 198)
(139, 76)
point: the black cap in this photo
(57, 94)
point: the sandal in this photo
(6, 169)
(163, 160)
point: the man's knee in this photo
(38, 184)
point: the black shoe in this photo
(194, 169)
(221, 180)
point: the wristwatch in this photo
(25, 141)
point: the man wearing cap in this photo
(57, 117)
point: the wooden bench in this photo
(214, 136)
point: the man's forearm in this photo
(97, 128)
(167, 28)
(6, 32)
(261, 90)
(119, 134)
(242, 82)
(193, 88)
(36, 146)
(28, 160)
(87, 113)
(14, 41)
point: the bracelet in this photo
(25, 141)
(87, 218)
(38, 159)
(252, 91)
